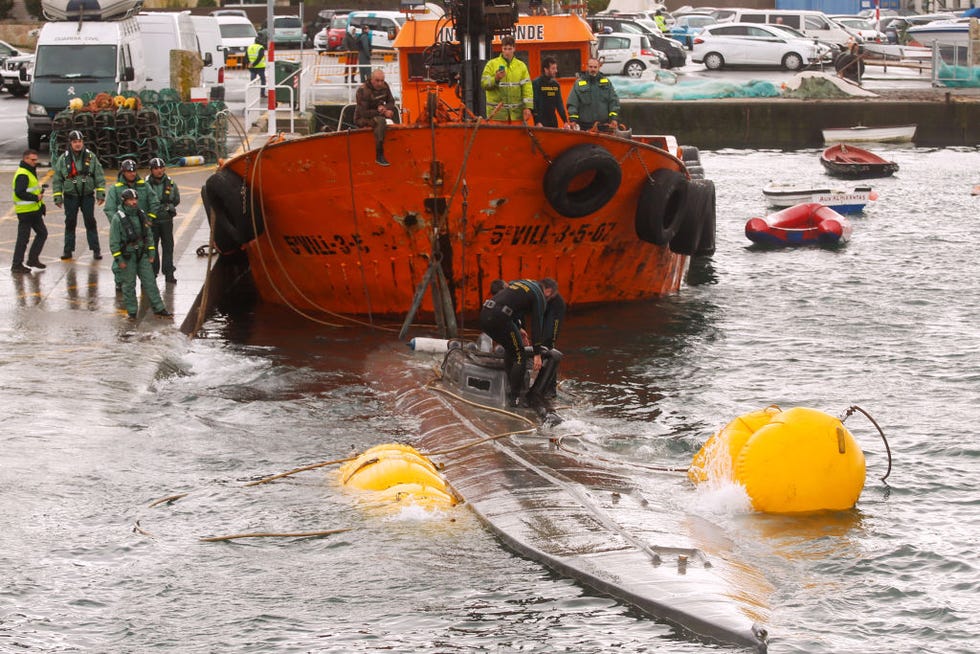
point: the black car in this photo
(676, 54)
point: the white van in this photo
(76, 58)
(209, 43)
(163, 32)
(237, 33)
(815, 24)
(384, 26)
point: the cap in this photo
(128, 194)
(496, 286)
(75, 135)
(157, 162)
(128, 164)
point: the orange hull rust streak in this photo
(344, 235)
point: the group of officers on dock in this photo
(141, 212)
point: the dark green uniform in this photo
(593, 100)
(167, 196)
(131, 242)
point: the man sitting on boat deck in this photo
(593, 100)
(521, 302)
(507, 83)
(375, 105)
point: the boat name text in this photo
(324, 245)
(545, 234)
(521, 33)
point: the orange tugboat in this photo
(612, 217)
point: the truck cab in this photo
(78, 58)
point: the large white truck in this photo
(75, 58)
(162, 32)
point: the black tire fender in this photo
(576, 161)
(231, 225)
(699, 212)
(660, 210)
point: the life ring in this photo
(566, 194)
(700, 215)
(660, 210)
(232, 226)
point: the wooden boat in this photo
(805, 224)
(866, 134)
(842, 200)
(90, 9)
(844, 160)
(327, 231)
(608, 526)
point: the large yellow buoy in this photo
(789, 461)
(399, 473)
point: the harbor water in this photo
(100, 421)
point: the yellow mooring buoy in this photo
(789, 461)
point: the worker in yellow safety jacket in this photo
(255, 59)
(29, 207)
(507, 82)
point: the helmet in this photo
(75, 135)
(128, 194)
(128, 165)
(157, 162)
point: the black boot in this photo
(36, 263)
(380, 155)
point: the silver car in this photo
(754, 44)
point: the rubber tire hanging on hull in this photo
(232, 227)
(660, 210)
(696, 235)
(580, 160)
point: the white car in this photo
(754, 44)
(17, 72)
(320, 41)
(620, 53)
(863, 27)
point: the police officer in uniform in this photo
(146, 201)
(29, 207)
(548, 103)
(79, 183)
(165, 190)
(133, 252)
(255, 61)
(593, 100)
(522, 302)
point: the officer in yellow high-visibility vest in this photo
(29, 207)
(255, 56)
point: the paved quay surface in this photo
(84, 284)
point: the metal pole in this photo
(270, 64)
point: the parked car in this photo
(676, 55)
(750, 44)
(686, 27)
(861, 26)
(627, 54)
(7, 50)
(336, 31)
(287, 32)
(229, 12)
(17, 72)
(320, 30)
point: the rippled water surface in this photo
(97, 424)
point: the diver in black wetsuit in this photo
(522, 302)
